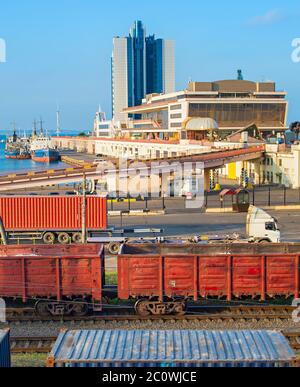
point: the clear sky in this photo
(59, 50)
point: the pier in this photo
(75, 174)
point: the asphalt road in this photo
(211, 224)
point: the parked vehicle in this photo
(52, 218)
(64, 280)
(161, 279)
(262, 227)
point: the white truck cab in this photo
(262, 227)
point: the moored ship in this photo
(17, 148)
(45, 155)
(42, 149)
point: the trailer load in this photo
(159, 279)
(50, 219)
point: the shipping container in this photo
(52, 213)
(204, 271)
(69, 275)
(51, 217)
(5, 361)
(140, 348)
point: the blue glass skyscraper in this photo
(140, 65)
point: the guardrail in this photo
(75, 162)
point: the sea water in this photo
(20, 166)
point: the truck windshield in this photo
(271, 226)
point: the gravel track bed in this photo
(36, 329)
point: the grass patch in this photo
(33, 360)
(111, 279)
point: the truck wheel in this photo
(113, 248)
(77, 237)
(63, 238)
(49, 238)
(264, 241)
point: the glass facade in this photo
(154, 65)
(266, 115)
(137, 41)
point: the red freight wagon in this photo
(59, 279)
(163, 277)
(49, 218)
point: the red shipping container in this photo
(28, 272)
(47, 213)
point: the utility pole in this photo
(3, 233)
(84, 210)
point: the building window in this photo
(175, 107)
(179, 115)
(241, 114)
(280, 162)
(176, 125)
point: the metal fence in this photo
(263, 196)
(259, 196)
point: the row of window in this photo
(175, 107)
(177, 115)
(241, 114)
(176, 125)
(270, 162)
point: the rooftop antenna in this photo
(58, 129)
(240, 75)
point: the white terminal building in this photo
(206, 117)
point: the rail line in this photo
(126, 313)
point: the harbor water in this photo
(19, 166)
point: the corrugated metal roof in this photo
(171, 346)
(3, 334)
(4, 348)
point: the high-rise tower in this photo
(140, 65)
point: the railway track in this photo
(43, 345)
(28, 345)
(212, 313)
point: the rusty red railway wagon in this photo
(51, 218)
(58, 279)
(163, 277)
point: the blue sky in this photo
(59, 50)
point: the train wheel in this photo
(180, 309)
(113, 248)
(141, 308)
(49, 238)
(41, 309)
(80, 308)
(63, 238)
(77, 237)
